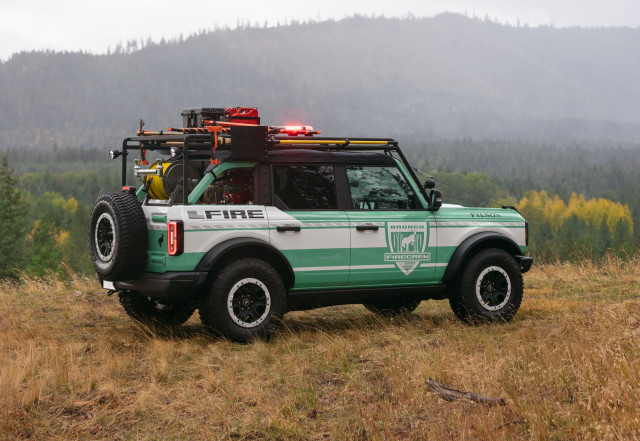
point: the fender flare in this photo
(470, 243)
(217, 253)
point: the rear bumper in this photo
(172, 286)
(524, 262)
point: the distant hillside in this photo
(444, 77)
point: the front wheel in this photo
(247, 300)
(490, 288)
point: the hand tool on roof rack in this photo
(143, 152)
(187, 130)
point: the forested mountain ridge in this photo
(443, 77)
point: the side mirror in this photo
(435, 198)
(430, 183)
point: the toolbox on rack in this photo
(196, 117)
(244, 115)
(205, 116)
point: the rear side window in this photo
(380, 188)
(304, 187)
(233, 186)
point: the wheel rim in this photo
(105, 237)
(493, 288)
(249, 302)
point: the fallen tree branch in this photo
(453, 394)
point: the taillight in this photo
(175, 232)
(526, 233)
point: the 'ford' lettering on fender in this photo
(485, 215)
(226, 214)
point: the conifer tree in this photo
(12, 229)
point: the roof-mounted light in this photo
(294, 130)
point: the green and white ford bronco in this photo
(264, 220)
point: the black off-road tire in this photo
(489, 289)
(246, 300)
(393, 307)
(151, 313)
(118, 236)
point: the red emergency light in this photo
(294, 130)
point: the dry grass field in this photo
(74, 366)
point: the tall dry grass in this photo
(73, 366)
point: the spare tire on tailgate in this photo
(118, 236)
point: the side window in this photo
(304, 187)
(380, 188)
(234, 187)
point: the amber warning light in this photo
(175, 233)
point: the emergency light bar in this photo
(294, 130)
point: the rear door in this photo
(393, 239)
(306, 225)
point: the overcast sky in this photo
(96, 25)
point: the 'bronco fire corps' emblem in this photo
(407, 241)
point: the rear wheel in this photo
(393, 307)
(150, 312)
(490, 288)
(246, 300)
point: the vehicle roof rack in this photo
(243, 142)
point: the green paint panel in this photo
(320, 279)
(159, 260)
(443, 255)
(301, 259)
(318, 257)
(159, 218)
(161, 263)
(439, 273)
(140, 193)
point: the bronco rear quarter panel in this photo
(205, 226)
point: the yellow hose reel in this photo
(156, 187)
(162, 187)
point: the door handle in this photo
(285, 228)
(367, 227)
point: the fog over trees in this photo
(544, 119)
(446, 77)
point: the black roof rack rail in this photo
(202, 146)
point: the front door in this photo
(393, 239)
